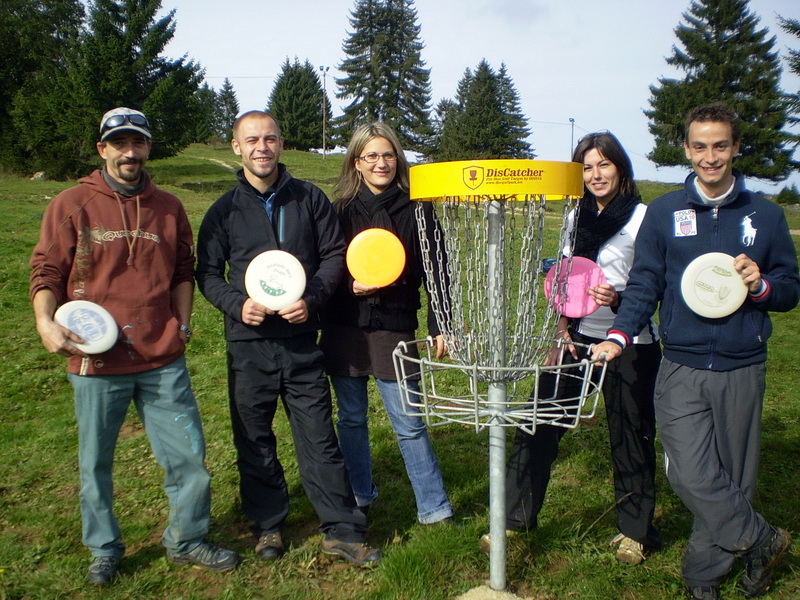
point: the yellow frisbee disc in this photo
(376, 257)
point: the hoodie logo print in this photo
(748, 231)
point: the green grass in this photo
(41, 556)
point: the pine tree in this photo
(792, 26)
(725, 57)
(361, 82)
(384, 73)
(33, 34)
(116, 62)
(484, 120)
(515, 122)
(407, 94)
(228, 109)
(297, 102)
(207, 125)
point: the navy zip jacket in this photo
(679, 227)
(236, 229)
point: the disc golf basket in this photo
(484, 263)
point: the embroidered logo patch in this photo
(748, 231)
(685, 222)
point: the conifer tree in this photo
(227, 109)
(726, 58)
(792, 26)
(297, 102)
(206, 125)
(483, 121)
(33, 34)
(385, 76)
(515, 122)
(116, 62)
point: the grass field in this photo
(41, 556)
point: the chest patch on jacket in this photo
(685, 222)
(748, 231)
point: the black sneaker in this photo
(703, 592)
(761, 560)
(102, 569)
(270, 546)
(206, 556)
(357, 553)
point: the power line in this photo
(240, 77)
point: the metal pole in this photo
(324, 71)
(497, 398)
(572, 137)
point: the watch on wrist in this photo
(185, 329)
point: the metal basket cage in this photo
(426, 389)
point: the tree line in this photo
(63, 65)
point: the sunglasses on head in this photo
(117, 120)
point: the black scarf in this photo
(377, 210)
(593, 229)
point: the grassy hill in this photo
(41, 556)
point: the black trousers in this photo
(628, 394)
(259, 371)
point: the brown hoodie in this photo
(125, 254)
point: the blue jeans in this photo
(168, 410)
(412, 437)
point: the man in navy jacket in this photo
(274, 354)
(710, 386)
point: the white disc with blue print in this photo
(92, 322)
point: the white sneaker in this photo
(629, 551)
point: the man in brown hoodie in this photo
(120, 242)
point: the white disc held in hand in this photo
(712, 287)
(275, 279)
(90, 321)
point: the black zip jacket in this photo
(236, 229)
(394, 307)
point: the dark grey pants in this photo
(259, 372)
(710, 426)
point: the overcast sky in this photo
(587, 61)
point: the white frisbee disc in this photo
(90, 321)
(275, 279)
(711, 287)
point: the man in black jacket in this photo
(272, 354)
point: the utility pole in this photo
(324, 71)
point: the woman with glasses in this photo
(365, 323)
(607, 221)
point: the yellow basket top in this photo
(513, 179)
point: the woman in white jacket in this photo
(607, 220)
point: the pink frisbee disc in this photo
(571, 295)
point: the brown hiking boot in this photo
(270, 546)
(357, 553)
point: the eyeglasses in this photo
(372, 157)
(117, 120)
